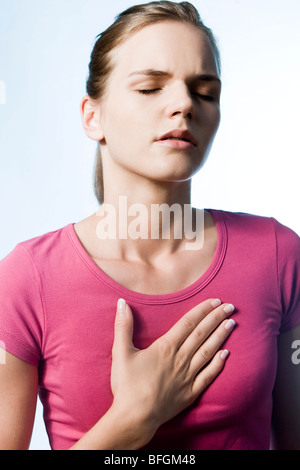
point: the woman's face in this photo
(164, 81)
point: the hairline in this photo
(140, 27)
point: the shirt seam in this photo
(22, 343)
(38, 280)
(277, 264)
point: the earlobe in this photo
(90, 116)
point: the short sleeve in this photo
(288, 266)
(21, 309)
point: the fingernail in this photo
(229, 308)
(121, 306)
(230, 324)
(215, 303)
(224, 354)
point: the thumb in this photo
(123, 328)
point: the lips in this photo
(179, 135)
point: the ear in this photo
(90, 116)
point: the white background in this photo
(46, 161)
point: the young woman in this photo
(121, 322)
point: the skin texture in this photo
(18, 395)
(178, 102)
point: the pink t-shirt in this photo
(57, 312)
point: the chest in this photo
(170, 274)
(78, 354)
(80, 331)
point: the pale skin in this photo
(181, 364)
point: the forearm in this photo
(115, 431)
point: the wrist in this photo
(133, 429)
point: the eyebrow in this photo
(159, 73)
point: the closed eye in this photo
(205, 97)
(149, 92)
(152, 91)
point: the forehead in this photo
(169, 45)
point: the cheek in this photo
(216, 121)
(211, 121)
(126, 135)
(128, 128)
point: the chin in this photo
(179, 171)
(176, 176)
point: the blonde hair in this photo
(127, 23)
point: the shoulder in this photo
(262, 237)
(250, 224)
(243, 219)
(25, 273)
(22, 269)
(35, 251)
(44, 245)
(287, 240)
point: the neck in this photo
(150, 192)
(149, 220)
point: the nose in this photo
(180, 102)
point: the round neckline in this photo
(131, 295)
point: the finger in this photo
(182, 329)
(208, 375)
(210, 347)
(123, 328)
(205, 328)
